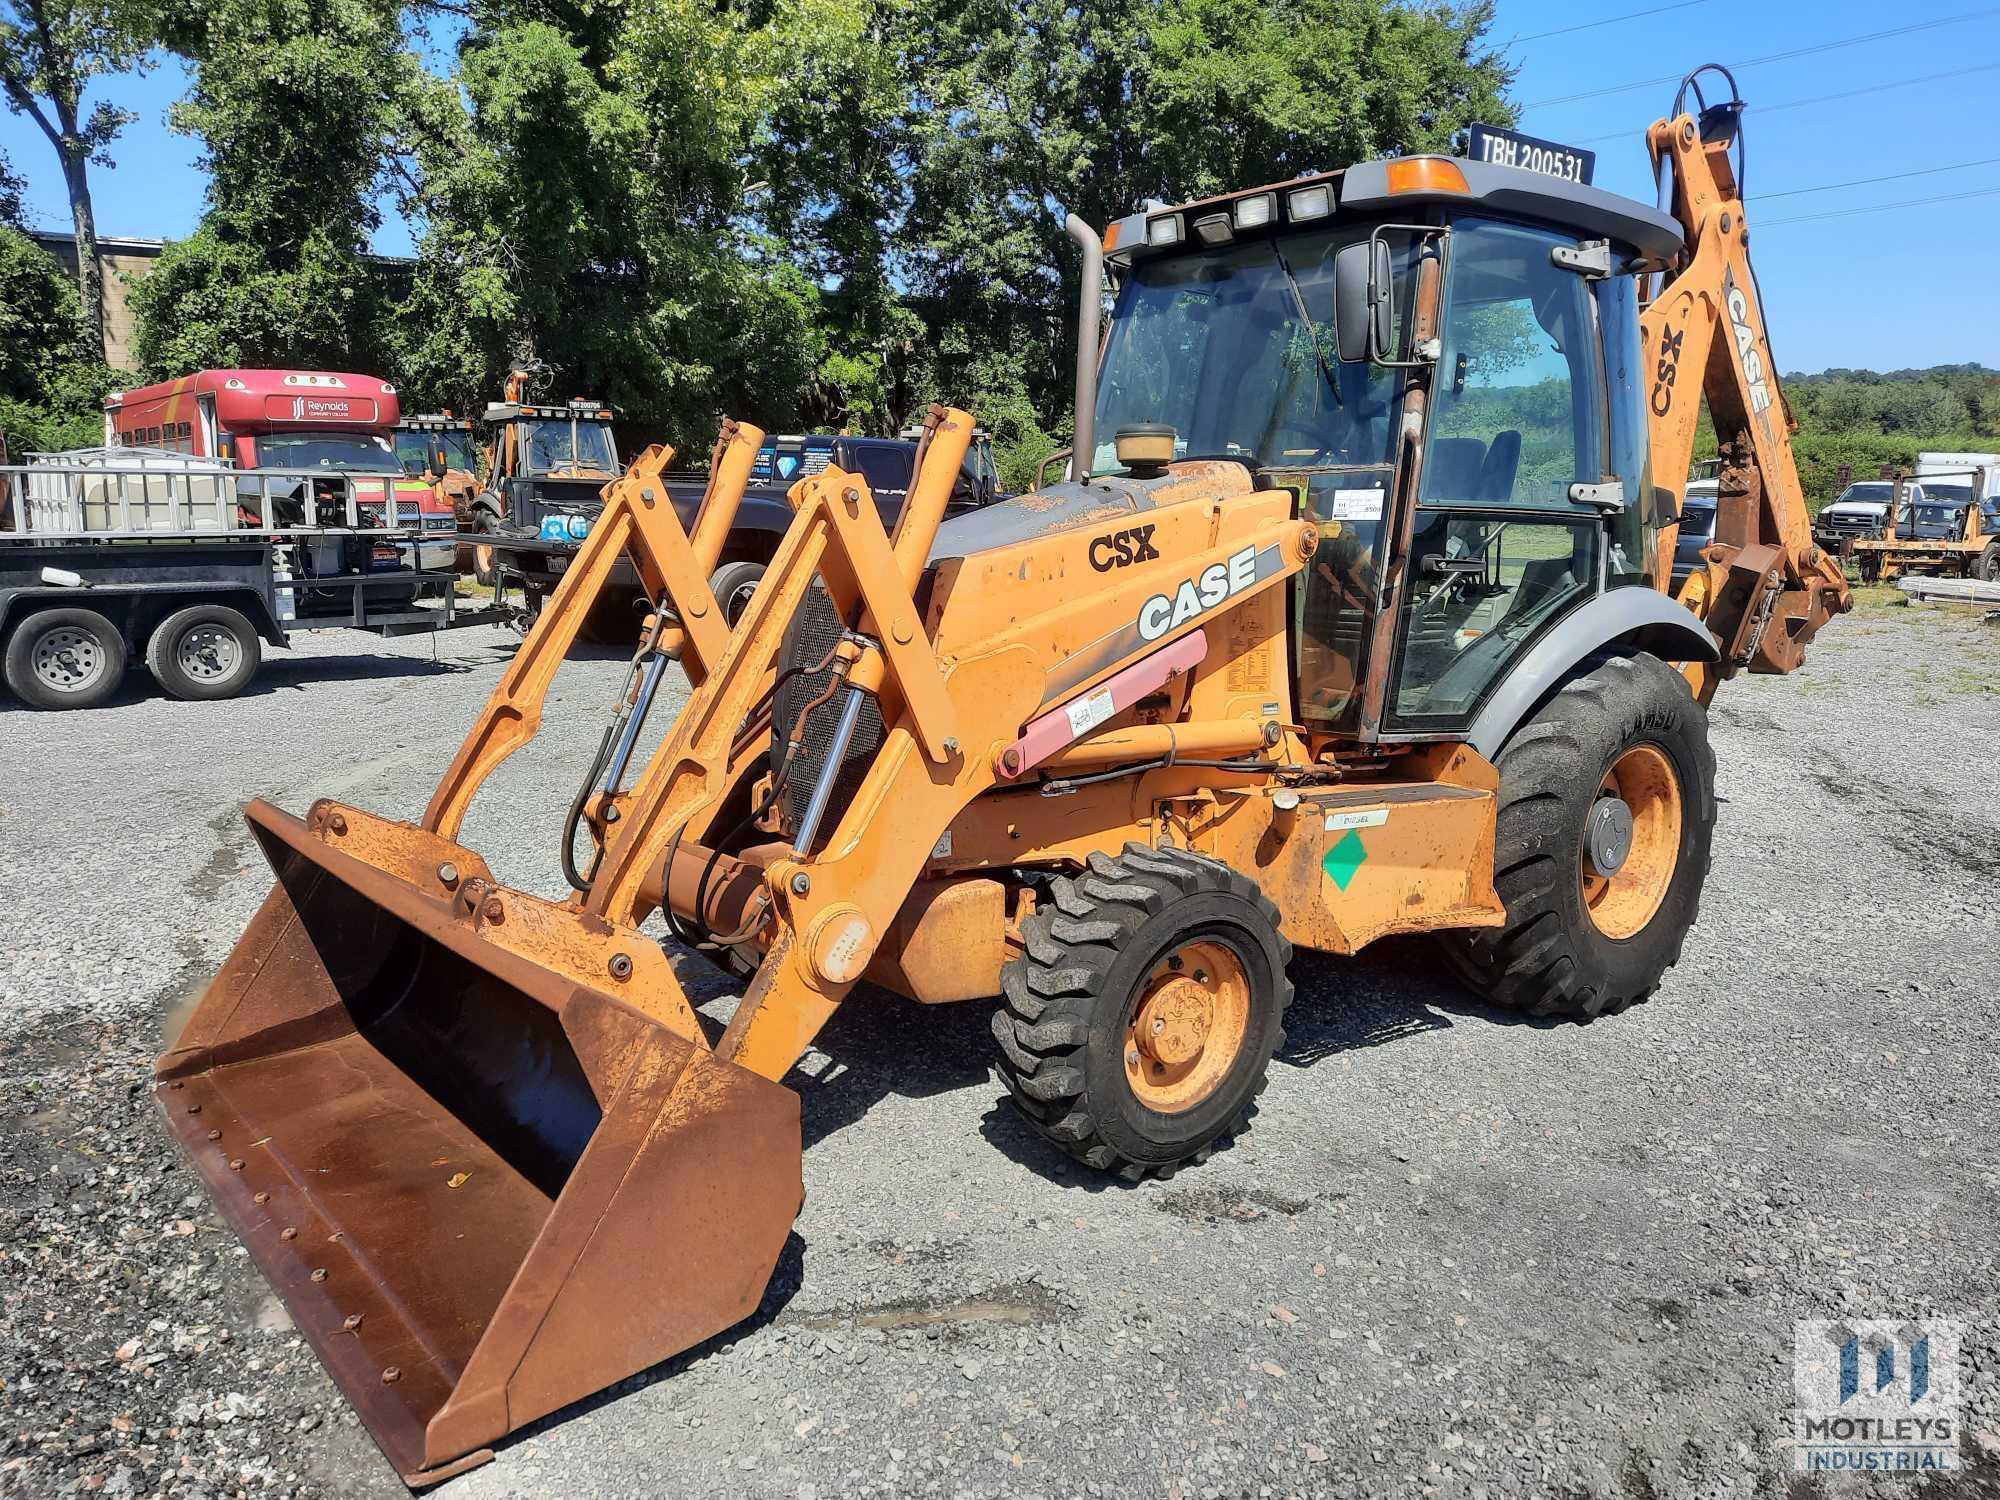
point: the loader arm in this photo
(1768, 587)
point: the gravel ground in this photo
(1459, 1254)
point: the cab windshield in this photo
(456, 446)
(556, 445)
(1236, 353)
(428, 450)
(344, 452)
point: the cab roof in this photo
(1403, 182)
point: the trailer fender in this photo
(1637, 619)
(137, 608)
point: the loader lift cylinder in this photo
(829, 772)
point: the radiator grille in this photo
(814, 630)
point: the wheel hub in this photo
(1174, 1023)
(1607, 838)
(67, 658)
(1631, 841)
(208, 653)
(1187, 1026)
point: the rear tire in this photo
(732, 585)
(1987, 569)
(204, 653)
(1137, 1027)
(1577, 943)
(65, 658)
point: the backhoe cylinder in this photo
(829, 773)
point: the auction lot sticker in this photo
(1875, 1395)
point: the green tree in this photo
(52, 381)
(50, 51)
(586, 207)
(1017, 111)
(1863, 422)
(296, 103)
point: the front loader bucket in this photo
(482, 1188)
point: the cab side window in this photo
(1517, 417)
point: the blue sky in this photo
(1888, 289)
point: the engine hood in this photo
(1069, 505)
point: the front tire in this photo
(1604, 830)
(65, 658)
(613, 619)
(1987, 570)
(1137, 1027)
(733, 584)
(204, 653)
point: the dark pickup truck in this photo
(761, 520)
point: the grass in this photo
(1880, 596)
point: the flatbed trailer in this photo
(193, 568)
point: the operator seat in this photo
(1503, 462)
(1453, 469)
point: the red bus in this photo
(263, 419)
(315, 420)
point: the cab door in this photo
(1518, 516)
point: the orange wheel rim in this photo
(1623, 901)
(482, 559)
(1187, 1026)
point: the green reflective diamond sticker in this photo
(1345, 857)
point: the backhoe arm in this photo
(1768, 587)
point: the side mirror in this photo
(1363, 301)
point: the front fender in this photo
(1643, 619)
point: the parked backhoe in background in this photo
(548, 464)
(441, 452)
(1350, 621)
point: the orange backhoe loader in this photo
(1355, 624)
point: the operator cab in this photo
(572, 441)
(1440, 358)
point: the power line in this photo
(1986, 161)
(1873, 88)
(1753, 62)
(1880, 208)
(1607, 21)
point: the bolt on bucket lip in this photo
(463, 1267)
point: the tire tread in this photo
(1050, 993)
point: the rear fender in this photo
(1632, 619)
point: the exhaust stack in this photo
(1089, 312)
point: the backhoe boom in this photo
(1768, 586)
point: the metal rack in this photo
(158, 495)
(101, 500)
